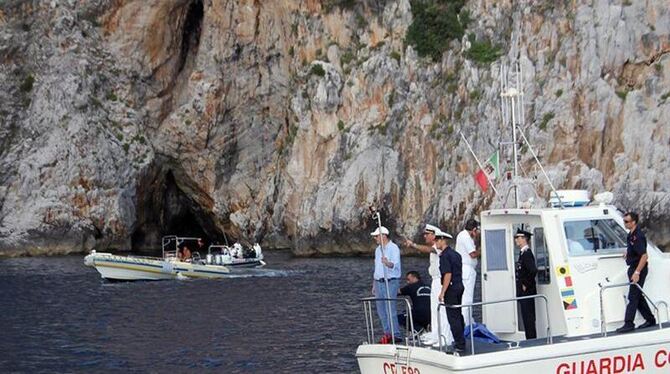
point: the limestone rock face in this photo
(283, 121)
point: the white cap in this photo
(431, 228)
(439, 233)
(384, 231)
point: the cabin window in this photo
(541, 256)
(588, 237)
(496, 253)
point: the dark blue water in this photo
(305, 317)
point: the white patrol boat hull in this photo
(640, 352)
(115, 267)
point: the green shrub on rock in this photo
(435, 24)
(483, 52)
(317, 69)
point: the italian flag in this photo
(491, 168)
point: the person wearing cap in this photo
(387, 270)
(451, 292)
(526, 270)
(465, 246)
(434, 270)
(636, 259)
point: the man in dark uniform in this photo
(636, 259)
(526, 270)
(451, 268)
(419, 293)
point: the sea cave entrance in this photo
(169, 204)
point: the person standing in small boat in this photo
(184, 253)
(387, 270)
(434, 270)
(526, 270)
(201, 246)
(636, 259)
(451, 292)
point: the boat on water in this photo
(582, 287)
(172, 265)
(235, 256)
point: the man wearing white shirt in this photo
(387, 272)
(465, 246)
(436, 285)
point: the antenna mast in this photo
(511, 108)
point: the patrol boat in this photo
(581, 293)
(168, 266)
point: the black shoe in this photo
(647, 324)
(625, 328)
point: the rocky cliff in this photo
(282, 120)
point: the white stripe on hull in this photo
(613, 354)
(128, 274)
(144, 268)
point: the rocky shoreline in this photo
(276, 120)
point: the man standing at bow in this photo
(387, 274)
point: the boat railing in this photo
(167, 241)
(603, 321)
(369, 319)
(481, 303)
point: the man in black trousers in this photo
(452, 288)
(526, 270)
(636, 259)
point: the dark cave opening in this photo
(191, 29)
(164, 208)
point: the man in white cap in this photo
(465, 246)
(434, 270)
(387, 271)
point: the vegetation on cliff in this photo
(436, 23)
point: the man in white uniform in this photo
(465, 246)
(435, 288)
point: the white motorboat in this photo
(235, 256)
(169, 266)
(580, 301)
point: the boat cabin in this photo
(579, 253)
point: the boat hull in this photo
(142, 268)
(642, 352)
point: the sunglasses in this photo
(627, 221)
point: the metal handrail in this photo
(550, 339)
(369, 321)
(603, 322)
(667, 310)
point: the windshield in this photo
(589, 237)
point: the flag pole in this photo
(478, 163)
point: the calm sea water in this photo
(296, 316)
